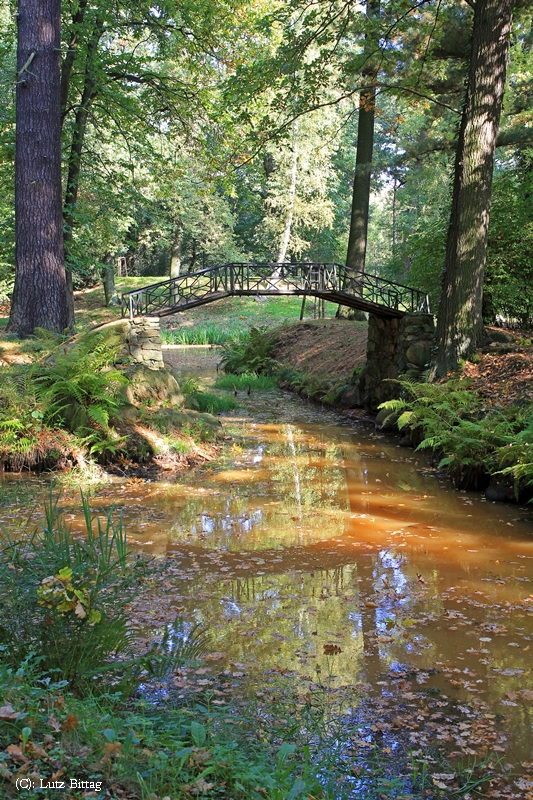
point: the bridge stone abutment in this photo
(396, 348)
(143, 341)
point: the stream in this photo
(317, 549)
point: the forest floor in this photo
(503, 373)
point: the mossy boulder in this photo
(154, 387)
(419, 353)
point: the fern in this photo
(454, 424)
(251, 353)
(80, 389)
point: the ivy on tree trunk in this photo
(39, 297)
(460, 323)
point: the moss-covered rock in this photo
(152, 387)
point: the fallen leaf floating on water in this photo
(439, 779)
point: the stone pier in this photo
(397, 348)
(143, 341)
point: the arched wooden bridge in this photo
(332, 282)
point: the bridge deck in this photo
(332, 282)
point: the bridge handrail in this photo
(338, 278)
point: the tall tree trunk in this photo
(355, 257)
(39, 298)
(460, 322)
(74, 162)
(285, 239)
(70, 56)
(357, 239)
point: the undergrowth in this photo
(246, 381)
(474, 443)
(252, 353)
(200, 400)
(57, 410)
(251, 360)
(138, 751)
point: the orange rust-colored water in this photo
(319, 546)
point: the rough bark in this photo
(460, 322)
(39, 298)
(357, 239)
(355, 257)
(356, 254)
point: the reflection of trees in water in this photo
(283, 621)
(304, 479)
(307, 469)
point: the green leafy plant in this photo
(25, 440)
(63, 599)
(21, 414)
(81, 390)
(80, 387)
(449, 419)
(515, 458)
(252, 353)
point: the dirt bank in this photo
(324, 349)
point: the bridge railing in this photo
(312, 278)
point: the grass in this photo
(210, 403)
(247, 381)
(231, 318)
(207, 334)
(57, 721)
(135, 750)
